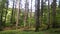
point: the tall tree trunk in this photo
(37, 9)
(19, 10)
(30, 15)
(48, 15)
(6, 10)
(26, 13)
(15, 10)
(17, 21)
(1, 20)
(12, 14)
(1, 17)
(54, 13)
(41, 15)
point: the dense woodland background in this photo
(44, 17)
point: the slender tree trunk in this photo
(25, 16)
(1, 17)
(48, 15)
(12, 14)
(1, 20)
(19, 11)
(26, 13)
(6, 10)
(30, 15)
(41, 15)
(37, 9)
(17, 21)
(54, 13)
(15, 10)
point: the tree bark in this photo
(41, 15)
(17, 21)
(54, 13)
(30, 15)
(48, 15)
(26, 13)
(37, 9)
(12, 14)
(6, 10)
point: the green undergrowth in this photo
(50, 31)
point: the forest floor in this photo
(50, 31)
